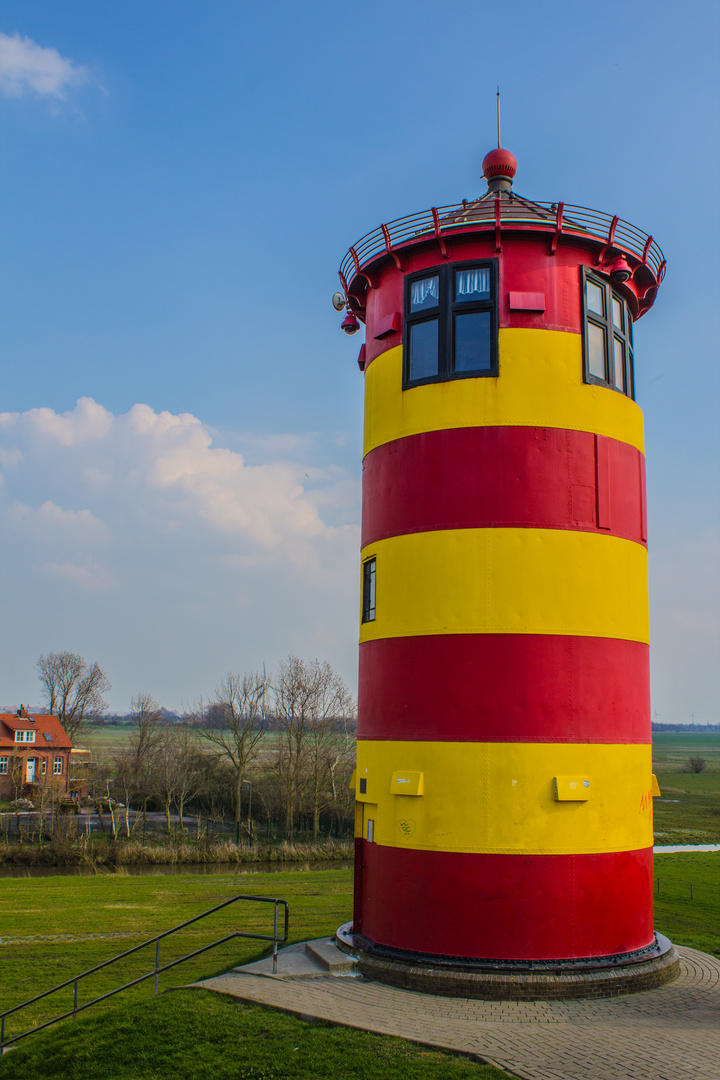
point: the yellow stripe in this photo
(497, 798)
(509, 581)
(540, 385)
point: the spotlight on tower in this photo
(350, 324)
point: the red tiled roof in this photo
(42, 723)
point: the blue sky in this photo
(179, 183)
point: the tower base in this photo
(606, 976)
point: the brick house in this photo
(34, 750)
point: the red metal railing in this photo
(514, 213)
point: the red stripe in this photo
(504, 688)
(510, 907)
(510, 477)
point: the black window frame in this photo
(610, 333)
(444, 312)
(368, 591)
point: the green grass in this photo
(686, 921)
(100, 737)
(247, 1043)
(689, 810)
(54, 928)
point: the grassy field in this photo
(248, 1043)
(59, 926)
(689, 916)
(54, 928)
(689, 810)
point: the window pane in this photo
(472, 284)
(596, 351)
(472, 342)
(425, 294)
(595, 298)
(424, 349)
(368, 591)
(617, 313)
(619, 350)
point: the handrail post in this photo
(157, 965)
(275, 935)
(75, 999)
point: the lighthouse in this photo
(504, 782)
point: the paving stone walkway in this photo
(672, 1033)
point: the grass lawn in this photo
(688, 811)
(54, 928)
(247, 1041)
(686, 921)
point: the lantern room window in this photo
(451, 323)
(607, 336)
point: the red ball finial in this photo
(499, 163)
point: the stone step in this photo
(325, 952)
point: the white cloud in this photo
(159, 472)
(8, 458)
(49, 522)
(92, 578)
(137, 540)
(87, 422)
(27, 67)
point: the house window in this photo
(368, 591)
(451, 323)
(58, 766)
(43, 765)
(25, 736)
(4, 765)
(607, 336)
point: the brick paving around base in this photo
(671, 1033)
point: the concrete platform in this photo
(307, 960)
(669, 1033)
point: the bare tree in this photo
(695, 764)
(312, 705)
(240, 701)
(133, 765)
(176, 775)
(72, 689)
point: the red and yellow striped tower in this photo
(503, 782)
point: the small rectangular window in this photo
(472, 284)
(371, 830)
(597, 351)
(424, 349)
(472, 341)
(19, 736)
(595, 298)
(607, 335)
(619, 358)
(451, 322)
(4, 765)
(425, 294)
(618, 313)
(58, 766)
(368, 612)
(43, 765)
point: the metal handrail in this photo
(157, 970)
(516, 212)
